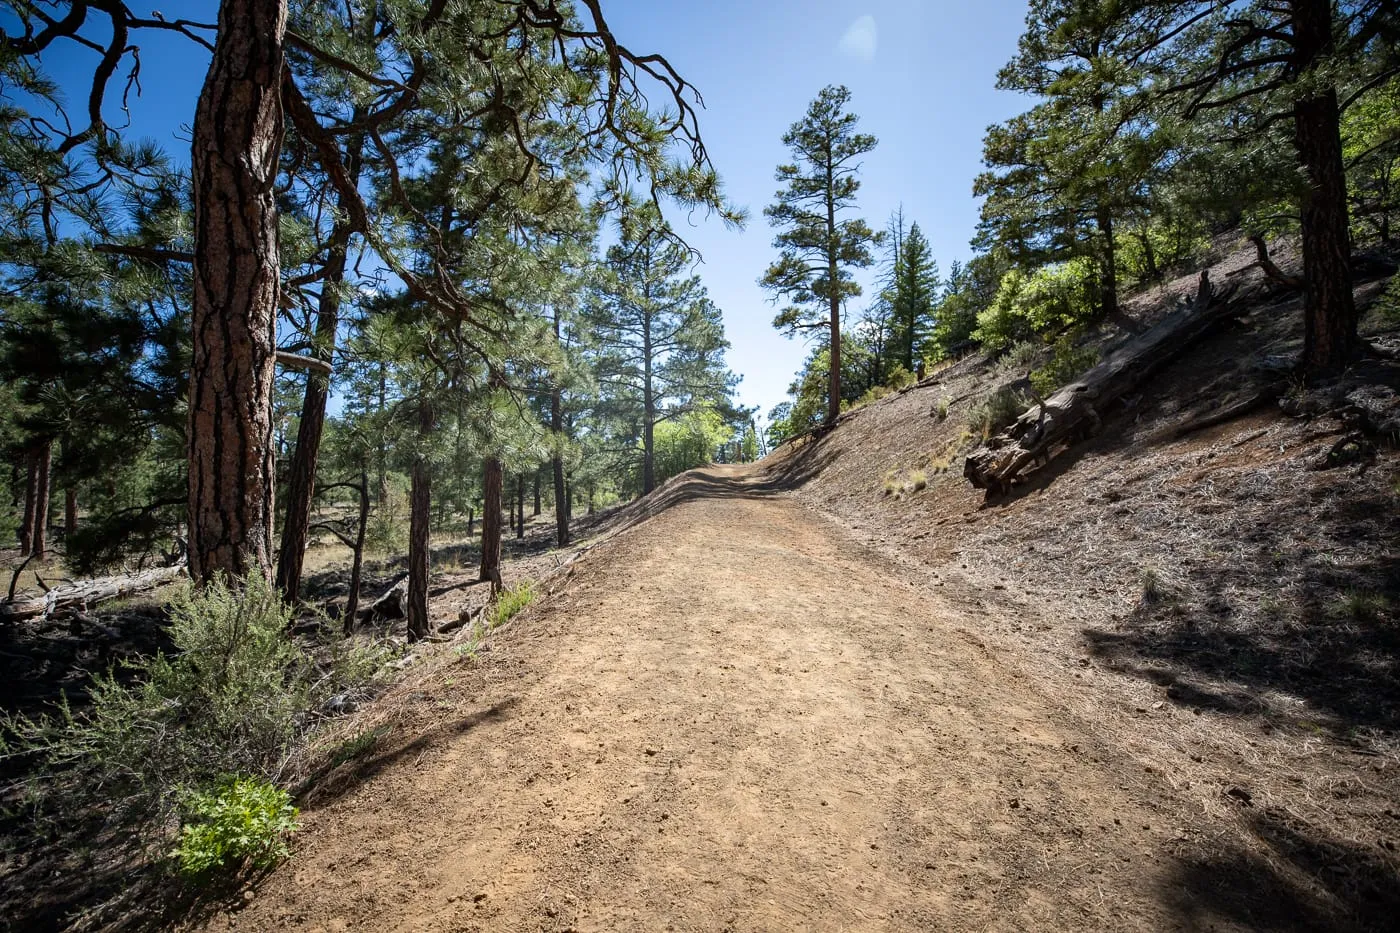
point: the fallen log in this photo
(390, 606)
(81, 595)
(1073, 412)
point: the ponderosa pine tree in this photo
(818, 249)
(914, 292)
(659, 339)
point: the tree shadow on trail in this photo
(1299, 879)
(343, 773)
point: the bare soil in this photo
(732, 715)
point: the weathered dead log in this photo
(81, 595)
(390, 606)
(1073, 412)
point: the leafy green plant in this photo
(242, 821)
(511, 601)
(237, 696)
(1066, 363)
(997, 410)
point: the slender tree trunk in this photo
(352, 602)
(648, 413)
(471, 521)
(833, 399)
(1108, 265)
(237, 142)
(519, 507)
(31, 501)
(537, 493)
(510, 512)
(70, 512)
(1330, 339)
(556, 423)
(418, 550)
(301, 472)
(590, 497)
(491, 524)
(419, 521)
(39, 546)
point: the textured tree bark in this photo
(237, 141)
(352, 601)
(301, 472)
(491, 524)
(1330, 338)
(39, 546)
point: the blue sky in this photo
(921, 73)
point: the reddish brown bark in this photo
(70, 511)
(1330, 338)
(237, 141)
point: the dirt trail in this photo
(735, 717)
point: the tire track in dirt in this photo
(735, 717)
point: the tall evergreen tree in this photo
(818, 249)
(659, 338)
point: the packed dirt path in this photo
(732, 716)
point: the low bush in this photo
(244, 821)
(997, 410)
(188, 738)
(511, 601)
(1067, 362)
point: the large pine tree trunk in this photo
(39, 544)
(301, 472)
(491, 523)
(237, 141)
(1330, 340)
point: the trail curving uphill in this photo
(734, 717)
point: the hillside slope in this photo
(1222, 604)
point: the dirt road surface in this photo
(734, 717)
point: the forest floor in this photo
(733, 715)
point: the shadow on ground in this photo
(1297, 880)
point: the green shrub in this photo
(237, 696)
(997, 410)
(1388, 304)
(1066, 364)
(511, 601)
(243, 821)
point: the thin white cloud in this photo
(860, 39)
